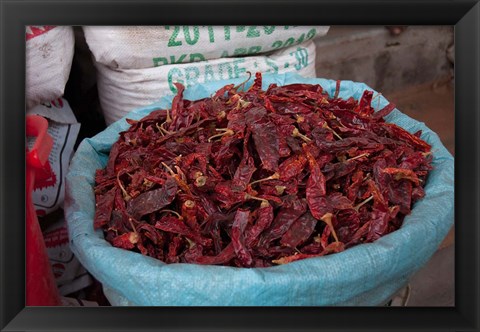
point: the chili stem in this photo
(341, 124)
(200, 181)
(228, 132)
(221, 115)
(125, 194)
(160, 129)
(358, 206)
(131, 224)
(165, 130)
(299, 118)
(189, 204)
(171, 211)
(168, 119)
(180, 173)
(191, 244)
(172, 173)
(242, 103)
(274, 176)
(359, 156)
(325, 125)
(296, 133)
(243, 83)
(264, 204)
(280, 189)
(327, 218)
(248, 196)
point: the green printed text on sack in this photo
(184, 35)
(195, 57)
(207, 72)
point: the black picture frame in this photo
(15, 15)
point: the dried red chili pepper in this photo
(104, 207)
(300, 231)
(316, 188)
(265, 136)
(238, 237)
(264, 220)
(177, 226)
(292, 167)
(405, 136)
(331, 248)
(282, 222)
(154, 200)
(126, 240)
(189, 214)
(226, 255)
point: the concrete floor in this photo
(434, 285)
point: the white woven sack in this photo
(128, 47)
(124, 90)
(49, 55)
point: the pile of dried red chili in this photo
(256, 178)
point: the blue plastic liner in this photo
(365, 275)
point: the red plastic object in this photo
(41, 288)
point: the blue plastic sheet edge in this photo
(365, 275)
